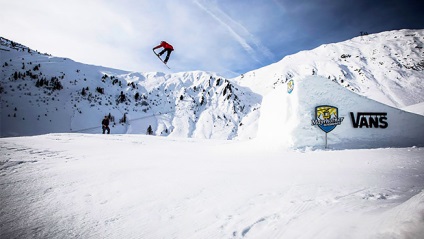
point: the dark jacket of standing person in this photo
(105, 125)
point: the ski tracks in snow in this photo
(15, 155)
(284, 214)
(278, 210)
(28, 192)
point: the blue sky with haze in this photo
(229, 37)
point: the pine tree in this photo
(122, 97)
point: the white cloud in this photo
(248, 41)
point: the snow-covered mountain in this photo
(45, 94)
(387, 67)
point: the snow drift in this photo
(287, 118)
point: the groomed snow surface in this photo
(135, 186)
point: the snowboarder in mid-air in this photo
(166, 48)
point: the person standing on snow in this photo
(166, 48)
(105, 125)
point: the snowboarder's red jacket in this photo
(165, 45)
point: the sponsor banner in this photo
(290, 86)
(369, 120)
(327, 118)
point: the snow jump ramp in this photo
(299, 114)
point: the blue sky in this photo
(229, 37)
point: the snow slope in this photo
(417, 108)
(128, 186)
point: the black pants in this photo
(168, 53)
(106, 128)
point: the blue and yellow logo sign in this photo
(327, 117)
(290, 86)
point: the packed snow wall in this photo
(303, 112)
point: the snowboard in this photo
(161, 59)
